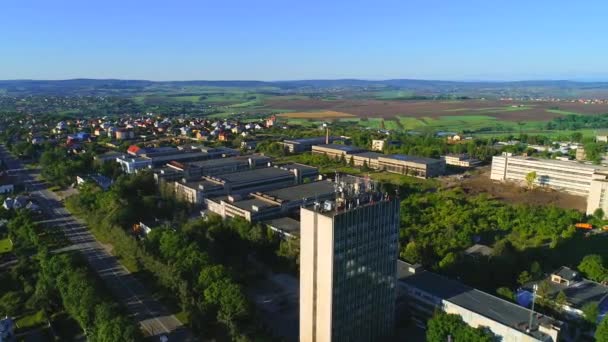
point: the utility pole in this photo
(534, 288)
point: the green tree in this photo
(11, 304)
(561, 300)
(543, 294)
(530, 179)
(442, 325)
(524, 278)
(591, 312)
(592, 267)
(601, 333)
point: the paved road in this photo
(154, 319)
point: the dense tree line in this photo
(55, 282)
(448, 327)
(200, 264)
(574, 122)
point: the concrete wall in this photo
(316, 263)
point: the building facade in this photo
(571, 177)
(348, 271)
(460, 160)
(412, 166)
(421, 293)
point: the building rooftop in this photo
(572, 163)
(491, 307)
(178, 156)
(286, 225)
(251, 175)
(300, 167)
(344, 148)
(311, 140)
(250, 204)
(298, 192)
(412, 159)
(227, 161)
(566, 273)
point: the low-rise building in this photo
(413, 166)
(243, 182)
(264, 205)
(336, 151)
(194, 170)
(378, 145)
(461, 160)
(369, 159)
(133, 164)
(285, 226)
(422, 292)
(305, 144)
(579, 292)
(124, 134)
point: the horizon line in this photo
(581, 80)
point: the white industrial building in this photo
(568, 176)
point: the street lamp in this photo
(534, 289)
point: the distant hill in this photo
(115, 87)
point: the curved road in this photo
(154, 319)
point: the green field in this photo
(6, 246)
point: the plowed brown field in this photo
(503, 110)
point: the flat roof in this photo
(251, 175)
(298, 192)
(247, 204)
(226, 161)
(345, 148)
(491, 307)
(310, 140)
(298, 166)
(572, 163)
(178, 156)
(413, 159)
(285, 224)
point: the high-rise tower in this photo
(348, 263)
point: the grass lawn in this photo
(5, 246)
(31, 320)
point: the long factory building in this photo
(395, 163)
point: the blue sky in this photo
(306, 39)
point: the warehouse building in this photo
(461, 160)
(194, 170)
(243, 182)
(421, 292)
(274, 203)
(305, 144)
(412, 166)
(336, 151)
(367, 158)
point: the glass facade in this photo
(364, 277)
